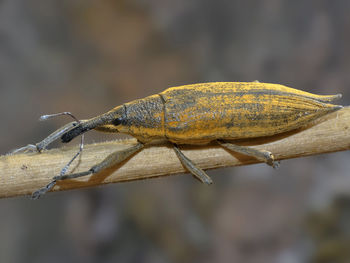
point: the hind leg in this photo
(261, 155)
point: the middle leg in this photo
(192, 168)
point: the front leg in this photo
(111, 160)
(38, 147)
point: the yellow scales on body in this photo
(199, 114)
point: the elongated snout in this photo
(85, 126)
(70, 135)
(111, 117)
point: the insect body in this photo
(199, 114)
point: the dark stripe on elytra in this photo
(191, 93)
(250, 120)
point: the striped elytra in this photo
(200, 113)
(196, 114)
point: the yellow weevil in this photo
(197, 114)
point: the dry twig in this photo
(23, 173)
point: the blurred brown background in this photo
(89, 56)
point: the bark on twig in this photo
(23, 173)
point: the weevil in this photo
(197, 114)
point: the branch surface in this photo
(22, 174)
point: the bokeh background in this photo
(89, 56)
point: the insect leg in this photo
(192, 168)
(109, 161)
(262, 155)
(52, 137)
(45, 142)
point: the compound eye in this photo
(117, 121)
